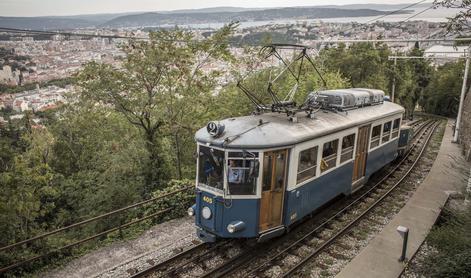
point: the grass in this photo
(451, 238)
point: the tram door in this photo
(273, 188)
(359, 166)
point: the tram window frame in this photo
(306, 173)
(386, 133)
(211, 168)
(329, 157)
(395, 128)
(375, 139)
(348, 147)
(247, 186)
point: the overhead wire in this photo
(396, 11)
(31, 31)
(416, 14)
(71, 34)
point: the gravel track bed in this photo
(153, 246)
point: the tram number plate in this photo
(207, 199)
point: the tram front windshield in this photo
(242, 171)
(211, 168)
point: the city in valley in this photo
(37, 60)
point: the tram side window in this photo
(329, 155)
(386, 132)
(242, 174)
(347, 147)
(375, 136)
(395, 132)
(307, 164)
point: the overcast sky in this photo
(73, 7)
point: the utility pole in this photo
(394, 80)
(463, 93)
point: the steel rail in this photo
(175, 257)
(15, 265)
(170, 272)
(92, 219)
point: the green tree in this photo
(442, 94)
(155, 86)
(460, 22)
(363, 64)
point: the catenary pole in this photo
(463, 93)
(394, 81)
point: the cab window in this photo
(242, 173)
(329, 155)
(307, 164)
(210, 168)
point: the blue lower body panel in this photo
(312, 195)
(225, 212)
(378, 158)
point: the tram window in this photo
(307, 164)
(211, 167)
(242, 174)
(267, 172)
(375, 136)
(347, 147)
(395, 131)
(329, 155)
(386, 132)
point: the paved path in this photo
(380, 258)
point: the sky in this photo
(74, 7)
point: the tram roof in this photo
(277, 131)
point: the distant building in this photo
(20, 106)
(9, 77)
(17, 117)
(2, 122)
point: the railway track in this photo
(237, 258)
(193, 260)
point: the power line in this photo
(70, 34)
(388, 14)
(31, 31)
(416, 14)
(396, 40)
(395, 11)
(426, 57)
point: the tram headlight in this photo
(206, 213)
(191, 211)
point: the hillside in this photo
(195, 16)
(156, 19)
(44, 23)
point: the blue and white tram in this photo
(259, 174)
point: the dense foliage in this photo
(452, 244)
